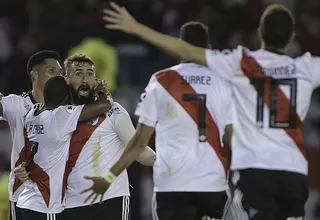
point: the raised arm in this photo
(120, 19)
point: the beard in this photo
(78, 98)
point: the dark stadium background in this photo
(127, 63)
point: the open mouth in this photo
(83, 91)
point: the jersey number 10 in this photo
(263, 84)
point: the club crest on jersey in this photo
(94, 120)
(69, 109)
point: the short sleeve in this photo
(147, 107)
(315, 71)
(11, 105)
(223, 62)
(66, 118)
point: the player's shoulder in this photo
(31, 114)
(20, 103)
(116, 109)
(65, 109)
(238, 51)
(307, 62)
(190, 67)
(13, 98)
(307, 57)
(27, 98)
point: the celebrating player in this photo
(49, 128)
(272, 95)
(94, 147)
(191, 106)
(40, 67)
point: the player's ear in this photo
(34, 75)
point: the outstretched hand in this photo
(99, 187)
(118, 18)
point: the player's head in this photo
(195, 33)
(56, 91)
(42, 66)
(80, 74)
(276, 27)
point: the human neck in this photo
(37, 93)
(273, 49)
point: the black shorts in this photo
(15, 212)
(28, 214)
(189, 205)
(114, 209)
(269, 195)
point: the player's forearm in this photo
(130, 154)
(102, 105)
(169, 44)
(147, 157)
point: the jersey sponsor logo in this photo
(113, 110)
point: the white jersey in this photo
(186, 104)
(272, 94)
(14, 110)
(51, 131)
(95, 146)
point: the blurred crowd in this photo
(70, 26)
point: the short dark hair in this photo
(39, 57)
(195, 33)
(55, 90)
(277, 25)
(79, 58)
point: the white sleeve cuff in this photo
(147, 157)
(148, 122)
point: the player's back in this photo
(193, 103)
(48, 136)
(15, 108)
(272, 94)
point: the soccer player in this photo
(40, 67)
(272, 94)
(49, 128)
(94, 147)
(189, 106)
